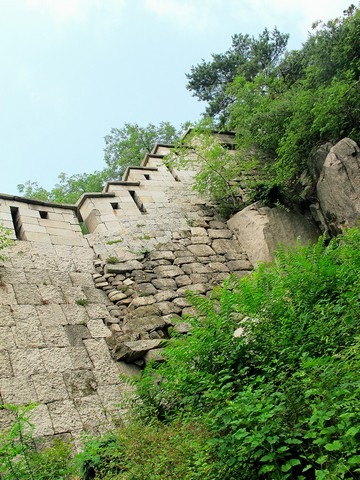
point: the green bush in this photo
(282, 398)
(21, 458)
(150, 451)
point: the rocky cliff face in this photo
(330, 188)
(338, 187)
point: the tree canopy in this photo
(128, 145)
(247, 56)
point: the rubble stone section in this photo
(78, 312)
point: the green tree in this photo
(128, 145)
(215, 167)
(68, 189)
(248, 57)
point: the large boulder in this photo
(338, 186)
(261, 229)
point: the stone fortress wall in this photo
(76, 311)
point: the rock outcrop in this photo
(261, 229)
(338, 186)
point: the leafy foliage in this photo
(152, 451)
(4, 240)
(248, 56)
(311, 97)
(128, 145)
(281, 397)
(215, 168)
(22, 459)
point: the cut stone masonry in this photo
(78, 311)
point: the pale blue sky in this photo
(70, 70)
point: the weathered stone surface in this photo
(338, 187)
(164, 283)
(235, 265)
(50, 387)
(80, 383)
(123, 267)
(183, 280)
(219, 233)
(142, 301)
(201, 250)
(146, 289)
(139, 348)
(225, 246)
(154, 356)
(5, 364)
(182, 260)
(76, 334)
(64, 417)
(261, 229)
(166, 271)
(168, 307)
(197, 288)
(195, 268)
(146, 324)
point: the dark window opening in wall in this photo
(137, 201)
(177, 179)
(115, 206)
(15, 215)
(147, 176)
(43, 214)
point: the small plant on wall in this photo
(5, 241)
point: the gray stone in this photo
(80, 383)
(235, 265)
(201, 250)
(124, 267)
(219, 233)
(338, 187)
(166, 271)
(197, 288)
(225, 246)
(261, 229)
(76, 334)
(164, 283)
(146, 289)
(195, 268)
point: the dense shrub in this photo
(282, 399)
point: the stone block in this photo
(201, 250)
(27, 294)
(224, 246)
(164, 283)
(5, 365)
(18, 390)
(74, 314)
(219, 233)
(92, 414)
(41, 420)
(80, 383)
(56, 359)
(168, 271)
(6, 316)
(97, 328)
(26, 362)
(50, 387)
(65, 417)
